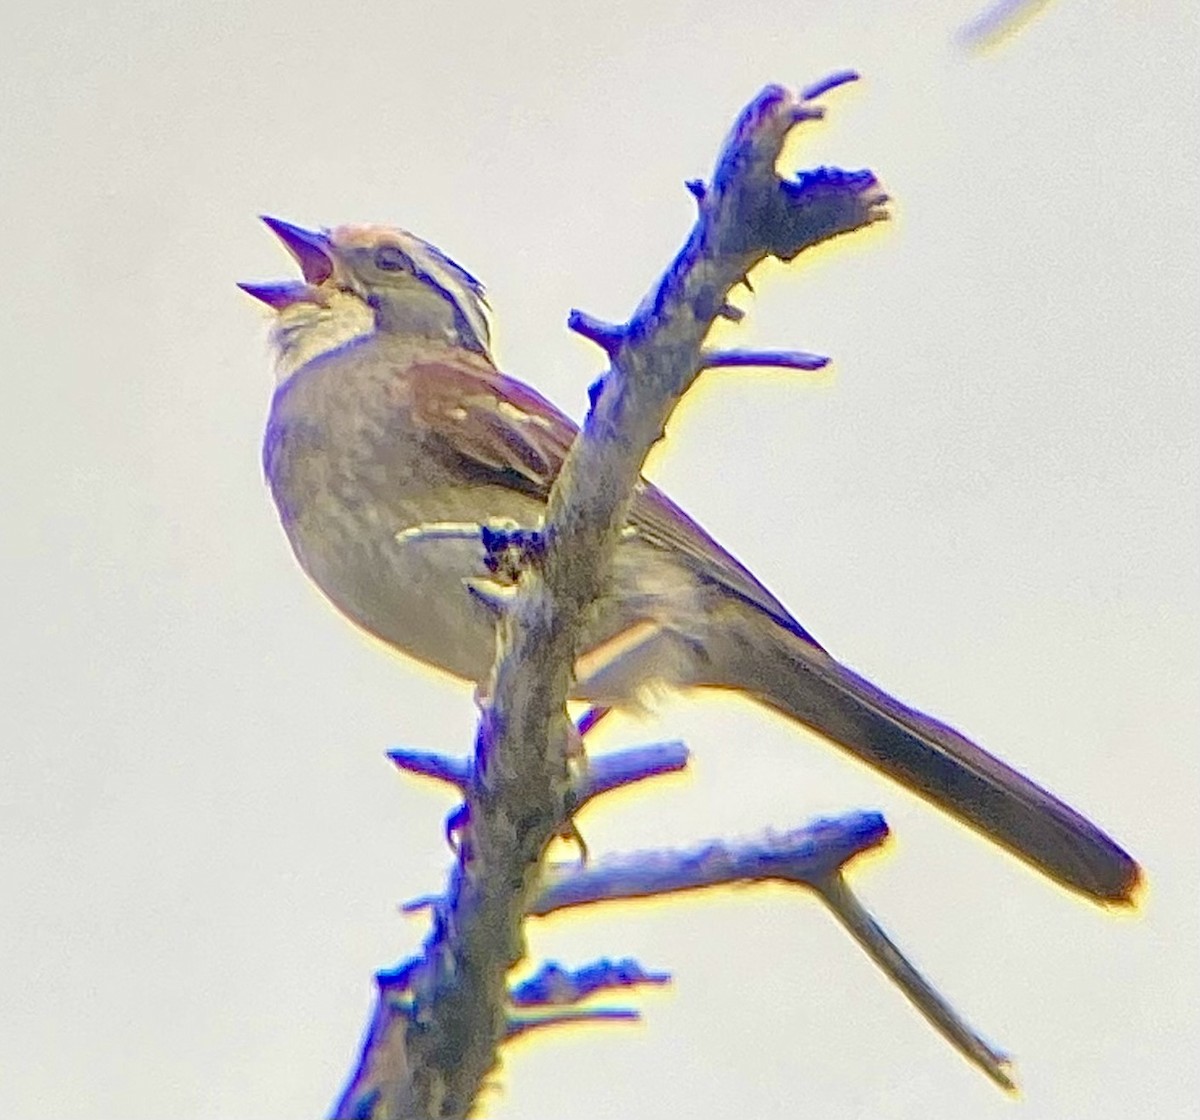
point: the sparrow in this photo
(393, 440)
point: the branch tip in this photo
(874, 941)
(608, 336)
(555, 986)
(455, 772)
(833, 81)
(623, 768)
(764, 359)
(519, 1025)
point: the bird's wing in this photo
(508, 433)
(489, 424)
(659, 520)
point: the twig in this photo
(807, 856)
(780, 359)
(604, 773)
(870, 935)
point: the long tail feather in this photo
(799, 679)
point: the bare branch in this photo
(429, 1058)
(804, 856)
(554, 986)
(523, 1024)
(813, 857)
(836, 894)
(636, 764)
(455, 772)
(763, 359)
(605, 772)
(607, 336)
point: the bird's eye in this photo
(391, 258)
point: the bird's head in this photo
(404, 284)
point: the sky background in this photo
(988, 504)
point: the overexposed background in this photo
(989, 505)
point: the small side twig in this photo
(835, 892)
(604, 773)
(780, 359)
(522, 1024)
(554, 986)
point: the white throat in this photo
(305, 331)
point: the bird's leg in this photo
(578, 756)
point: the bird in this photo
(393, 439)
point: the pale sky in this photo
(989, 505)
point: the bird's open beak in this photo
(283, 294)
(310, 249)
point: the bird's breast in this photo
(360, 503)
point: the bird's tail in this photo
(797, 677)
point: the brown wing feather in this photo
(509, 428)
(497, 424)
